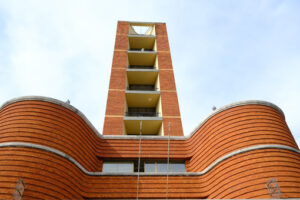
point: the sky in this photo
(222, 52)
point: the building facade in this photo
(49, 149)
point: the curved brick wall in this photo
(50, 176)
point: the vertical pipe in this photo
(139, 162)
(168, 162)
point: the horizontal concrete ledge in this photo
(142, 52)
(207, 169)
(213, 199)
(142, 92)
(72, 108)
(137, 22)
(144, 137)
(141, 70)
(141, 35)
(143, 118)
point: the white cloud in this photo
(222, 52)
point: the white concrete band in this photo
(207, 169)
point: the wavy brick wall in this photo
(50, 176)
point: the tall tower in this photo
(142, 85)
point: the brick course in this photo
(122, 28)
(119, 59)
(164, 60)
(167, 80)
(115, 103)
(113, 126)
(160, 29)
(169, 104)
(117, 79)
(121, 42)
(162, 43)
(49, 176)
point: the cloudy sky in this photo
(222, 52)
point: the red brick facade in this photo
(49, 176)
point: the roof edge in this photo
(232, 105)
(75, 110)
(55, 101)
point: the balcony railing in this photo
(140, 67)
(142, 87)
(141, 50)
(142, 114)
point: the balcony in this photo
(151, 122)
(142, 87)
(142, 77)
(150, 125)
(141, 50)
(142, 114)
(141, 58)
(140, 67)
(138, 98)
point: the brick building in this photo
(243, 150)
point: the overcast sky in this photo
(222, 52)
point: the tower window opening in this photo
(141, 30)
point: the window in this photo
(146, 166)
(163, 167)
(117, 167)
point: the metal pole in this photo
(139, 162)
(168, 162)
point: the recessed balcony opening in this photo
(150, 125)
(142, 112)
(146, 60)
(140, 67)
(137, 43)
(144, 99)
(142, 87)
(142, 29)
(143, 80)
(140, 49)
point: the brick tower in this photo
(142, 85)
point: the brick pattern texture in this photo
(48, 176)
(116, 99)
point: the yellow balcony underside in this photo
(142, 99)
(139, 42)
(142, 77)
(144, 59)
(149, 127)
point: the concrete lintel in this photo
(142, 92)
(143, 118)
(142, 52)
(142, 70)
